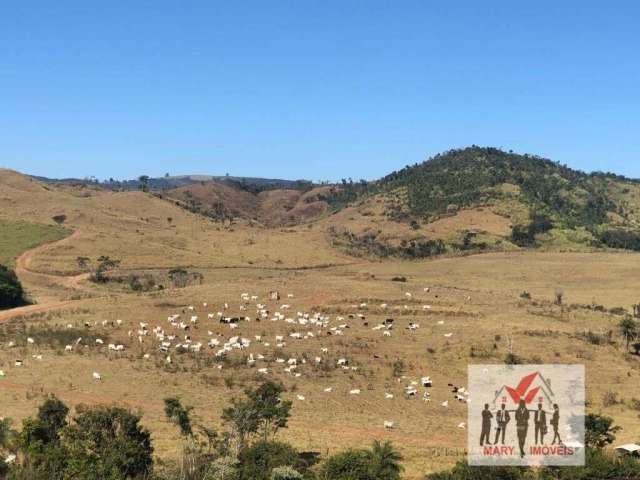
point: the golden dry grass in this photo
(477, 297)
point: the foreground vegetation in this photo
(108, 442)
(103, 442)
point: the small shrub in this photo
(59, 219)
(512, 359)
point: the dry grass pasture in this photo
(475, 298)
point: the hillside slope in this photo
(480, 198)
(270, 207)
(143, 232)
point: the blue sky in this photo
(319, 90)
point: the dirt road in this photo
(24, 273)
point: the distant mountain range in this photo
(168, 182)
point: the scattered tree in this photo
(273, 412)
(599, 430)
(82, 262)
(11, 291)
(143, 180)
(628, 329)
(105, 263)
(107, 443)
(59, 219)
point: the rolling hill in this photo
(267, 206)
(460, 201)
(485, 198)
(462, 304)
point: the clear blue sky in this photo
(319, 90)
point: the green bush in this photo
(618, 238)
(11, 291)
(381, 462)
(285, 473)
(348, 465)
(525, 235)
(258, 460)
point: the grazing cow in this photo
(355, 391)
(97, 376)
(388, 425)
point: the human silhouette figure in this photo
(555, 420)
(502, 418)
(522, 425)
(486, 425)
(540, 422)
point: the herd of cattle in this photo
(176, 336)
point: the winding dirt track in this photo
(22, 270)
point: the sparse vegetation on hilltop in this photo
(543, 199)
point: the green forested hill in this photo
(537, 194)
(472, 175)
